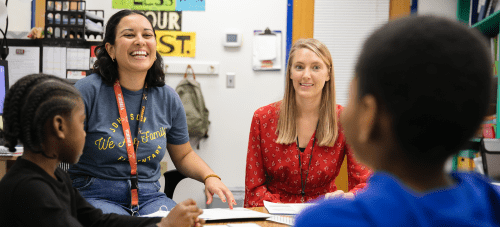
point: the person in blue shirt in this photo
(133, 119)
(420, 91)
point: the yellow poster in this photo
(175, 43)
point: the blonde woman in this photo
(296, 146)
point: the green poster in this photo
(151, 5)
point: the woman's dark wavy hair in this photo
(108, 69)
(29, 103)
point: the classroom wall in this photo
(444, 8)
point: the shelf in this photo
(489, 26)
(475, 139)
(463, 9)
(65, 20)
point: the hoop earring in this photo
(112, 59)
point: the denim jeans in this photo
(113, 196)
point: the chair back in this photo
(64, 166)
(490, 153)
(172, 178)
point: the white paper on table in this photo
(283, 219)
(219, 214)
(4, 151)
(235, 213)
(237, 225)
(265, 47)
(162, 212)
(285, 208)
(243, 225)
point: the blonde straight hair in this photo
(327, 130)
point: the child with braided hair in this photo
(46, 114)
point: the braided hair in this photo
(29, 103)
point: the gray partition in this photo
(490, 152)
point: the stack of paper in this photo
(283, 219)
(220, 214)
(284, 212)
(285, 208)
(5, 151)
(237, 225)
(235, 213)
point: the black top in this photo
(302, 149)
(31, 197)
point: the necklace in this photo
(303, 182)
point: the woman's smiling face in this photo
(135, 44)
(309, 74)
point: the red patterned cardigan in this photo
(279, 164)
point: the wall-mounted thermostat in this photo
(232, 38)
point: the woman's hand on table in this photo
(339, 194)
(215, 186)
(183, 214)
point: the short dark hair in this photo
(29, 103)
(108, 69)
(432, 76)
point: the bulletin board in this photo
(267, 50)
(55, 57)
(23, 60)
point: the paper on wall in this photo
(265, 46)
(22, 61)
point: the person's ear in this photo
(111, 50)
(59, 126)
(330, 73)
(368, 113)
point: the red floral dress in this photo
(273, 170)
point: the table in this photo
(261, 222)
(6, 162)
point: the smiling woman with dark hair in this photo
(133, 118)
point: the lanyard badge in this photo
(131, 146)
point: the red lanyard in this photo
(131, 148)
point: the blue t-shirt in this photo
(472, 201)
(105, 154)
